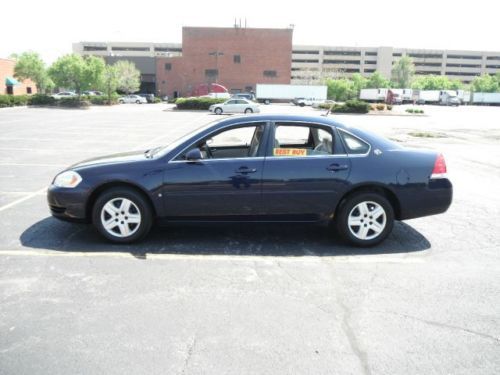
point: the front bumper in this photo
(67, 204)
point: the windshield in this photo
(161, 151)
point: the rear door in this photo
(305, 171)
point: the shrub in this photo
(380, 107)
(389, 107)
(41, 99)
(352, 106)
(13, 100)
(103, 99)
(197, 103)
(73, 102)
(410, 110)
(157, 100)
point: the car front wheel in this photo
(249, 110)
(138, 102)
(122, 215)
(365, 219)
(218, 111)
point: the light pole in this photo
(216, 53)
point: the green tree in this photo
(29, 65)
(110, 81)
(434, 82)
(403, 71)
(377, 81)
(77, 73)
(340, 89)
(129, 77)
(486, 83)
(358, 83)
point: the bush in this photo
(157, 100)
(197, 103)
(352, 106)
(103, 99)
(41, 99)
(389, 107)
(415, 110)
(13, 100)
(73, 102)
(380, 107)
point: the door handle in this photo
(337, 167)
(246, 170)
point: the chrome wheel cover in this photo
(120, 217)
(367, 220)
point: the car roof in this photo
(282, 118)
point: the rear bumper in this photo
(434, 199)
(67, 204)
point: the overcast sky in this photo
(51, 26)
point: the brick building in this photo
(10, 85)
(238, 58)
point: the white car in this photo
(235, 106)
(132, 99)
(64, 94)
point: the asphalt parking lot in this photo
(273, 299)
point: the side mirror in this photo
(194, 155)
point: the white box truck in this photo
(426, 96)
(373, 95)
(486, 98)
(268, 93)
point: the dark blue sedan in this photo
(258, 168)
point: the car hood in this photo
(126, 157)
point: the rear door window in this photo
(353, 144)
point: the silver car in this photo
(235, 106)
(132, 99)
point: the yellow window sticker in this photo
(290, 152)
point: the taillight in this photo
(439, 170)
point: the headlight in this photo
(68, 179)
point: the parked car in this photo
(132, 99)
(301, 102)
(150, 98)
(64, 94)
(244, 95)
(259, 167)
(92, 93)
(235, 106)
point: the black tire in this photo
(267, 101)
(121, 102)
(137, 102)
(302, 104)
(249, 110)
(218, 111)
(344, 210)
(146, 213)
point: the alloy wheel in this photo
(120, 217)
(367, 220)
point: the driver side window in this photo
(236, 142)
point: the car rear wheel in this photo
(121, 101)
(267, 101)
(249, 110)
(218, 111)
(365, 219)
(122, 215)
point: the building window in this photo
(168, 66)
(493, 58)
(211, 73)
(305, 61)
(248, 88)
(463, 65)
(28, 90)
(341, 62)
(270, 73)
(469, 57)
(371, 53)
(306, 52)
(167, 49)
(493, 66)
(370, 62)
(397, 54)
(134, 49)
(426, 55)
(237, 59)
(94, 48)
(343, 53)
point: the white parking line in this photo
(21, 200)
(220, 257)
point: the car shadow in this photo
(224, 239)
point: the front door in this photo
(305, 171)
(225, 182)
